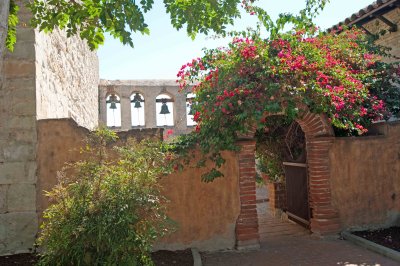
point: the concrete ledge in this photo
(387, 252)
(248, 245)
(196, 257)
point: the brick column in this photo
(319, 138)
(325, 218)
(247, 236)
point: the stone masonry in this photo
(65, 72)
(18, 219)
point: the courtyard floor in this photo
(285, 243)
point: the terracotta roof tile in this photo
(365, 13)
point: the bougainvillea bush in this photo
(237, 87)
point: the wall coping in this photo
(139, 82)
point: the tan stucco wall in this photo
(59, 142)
(365, 178)
(205, 213)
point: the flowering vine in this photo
(238, 86)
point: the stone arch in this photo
(319, 138)
(169, 100)
(137, 107)
(113, 109)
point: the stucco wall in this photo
(365, 178)
(205, 213)
(67, 77)
(18, 219)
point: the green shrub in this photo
(107, 211)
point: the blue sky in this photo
(161, 54)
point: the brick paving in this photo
(299, 250)
(284, 243)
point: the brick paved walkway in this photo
(299, 250)
(284, 243)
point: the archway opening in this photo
(281, 161)
(113, 105)
(189, 110)
(164, 110)
(137, 110)
(324, 219)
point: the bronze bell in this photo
(113, 101)
(113, 105)
(164, 108)
(137, 99)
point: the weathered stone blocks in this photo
(21, 197)
(17, 232)
(12, 172)
(19, 152)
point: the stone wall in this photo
(18, 140)
(205, 213)
(365, 178)
(67, 78)
(150, 89)
(45, 76)
(389, 39)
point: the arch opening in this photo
(189, 110)
(113, 106)
(164, 110)
(137, 110)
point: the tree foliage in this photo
(12, 26)
(91, 19)
(120, 18)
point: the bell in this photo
(113, 105)
(137, 99)
(113, 101)
(164, 109)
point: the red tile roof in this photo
(366, 14)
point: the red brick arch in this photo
(319, 138)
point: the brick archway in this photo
(325, 218)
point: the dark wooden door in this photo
(298, 208)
